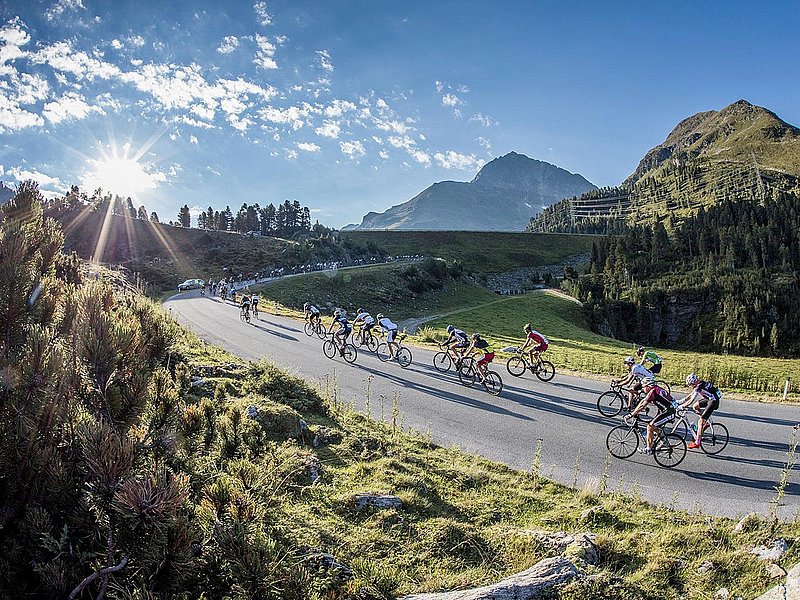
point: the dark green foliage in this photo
(725, 279)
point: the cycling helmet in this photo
(379, 316)
(475, 336)
(450, 329)
(359, 311)
(306, 306)
(338, 312)
(629, 360)
(527, 327)
(640, 350)
(691, 379)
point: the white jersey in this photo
(365, 318)
(386, 324)
(254, 299)
(642, 373)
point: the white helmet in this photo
(629, 360)
(691, 379)
(450, 329)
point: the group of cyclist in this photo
(341, 327)
(249, 302)
(703, 396)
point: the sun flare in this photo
(119, 171)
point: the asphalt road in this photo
(562, 413)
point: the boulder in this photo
(775, 571)
(789, 590)
(527, 585)
(582, 547)
(772, 552)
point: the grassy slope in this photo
(378, 289)
(479, 252)
(465, 521)
(573, 346)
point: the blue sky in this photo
(350, 107)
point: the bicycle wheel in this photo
(610, 404)
(516, 366)
(329, 348)
(442, 362)
(669, 450)
(320, 331)
(714, 438)
(383, 352)
(663, 385)
(622, 441)
(349, 353)
(404, 357)
(466, 372)
(493, 383)
(372, 343)
(308, 329)
(546, 371)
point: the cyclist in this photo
(460, 343)
(367, 323)
(704, 398)
(245, 304)
(343, 331)
(481, 345)
(312, 314)
(539, 343)
(254, 302)
(390, 329)
(635, 372)
(666, 411)
(651, 357)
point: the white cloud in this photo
(193, 139)
(383, 154)
(116, 44)
(265, 55)
(62, 58)
(451, 100)
(13, 36)
(40, 178)
(264, 18)
(410, 146)
(136, 40)
(228, 45)
(71, 106)
(439, 86)
(325, 60)
(291, 154)
(293, 115)
(329, 129)
(354, 149)
(337, 108)
(483, 120)
(213, 171)
(485, 144)
(308, 147)
(61, 6)
(455, 160)
(195, 211)
(29, 88)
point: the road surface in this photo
(562, 413)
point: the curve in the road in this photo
(506, 428)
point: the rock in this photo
(773, 552)
(314, 468)
(775, 571)
(706, 567)
(588, 514)
(326, 562)
(722, 594)
(527, 584)
(748, 523)
(789, 590)
(582, 547)
(375, 500)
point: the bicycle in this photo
(332, 346)
(244, 314)
(468, 373)
(446, 358)
(366, 339)
(713, 439)
(255, 310)
(543, 369)
(401, 354)
(314, 327)
(668, 449)
(611, 403)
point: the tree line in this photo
(285, 220)
(724, 279)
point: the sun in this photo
(120, 174)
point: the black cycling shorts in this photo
(637, 387)
(664, 416)
(656, 368)
(707, 406)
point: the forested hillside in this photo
(724, 279)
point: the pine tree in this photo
(185, 217)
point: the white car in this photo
(191, 284)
